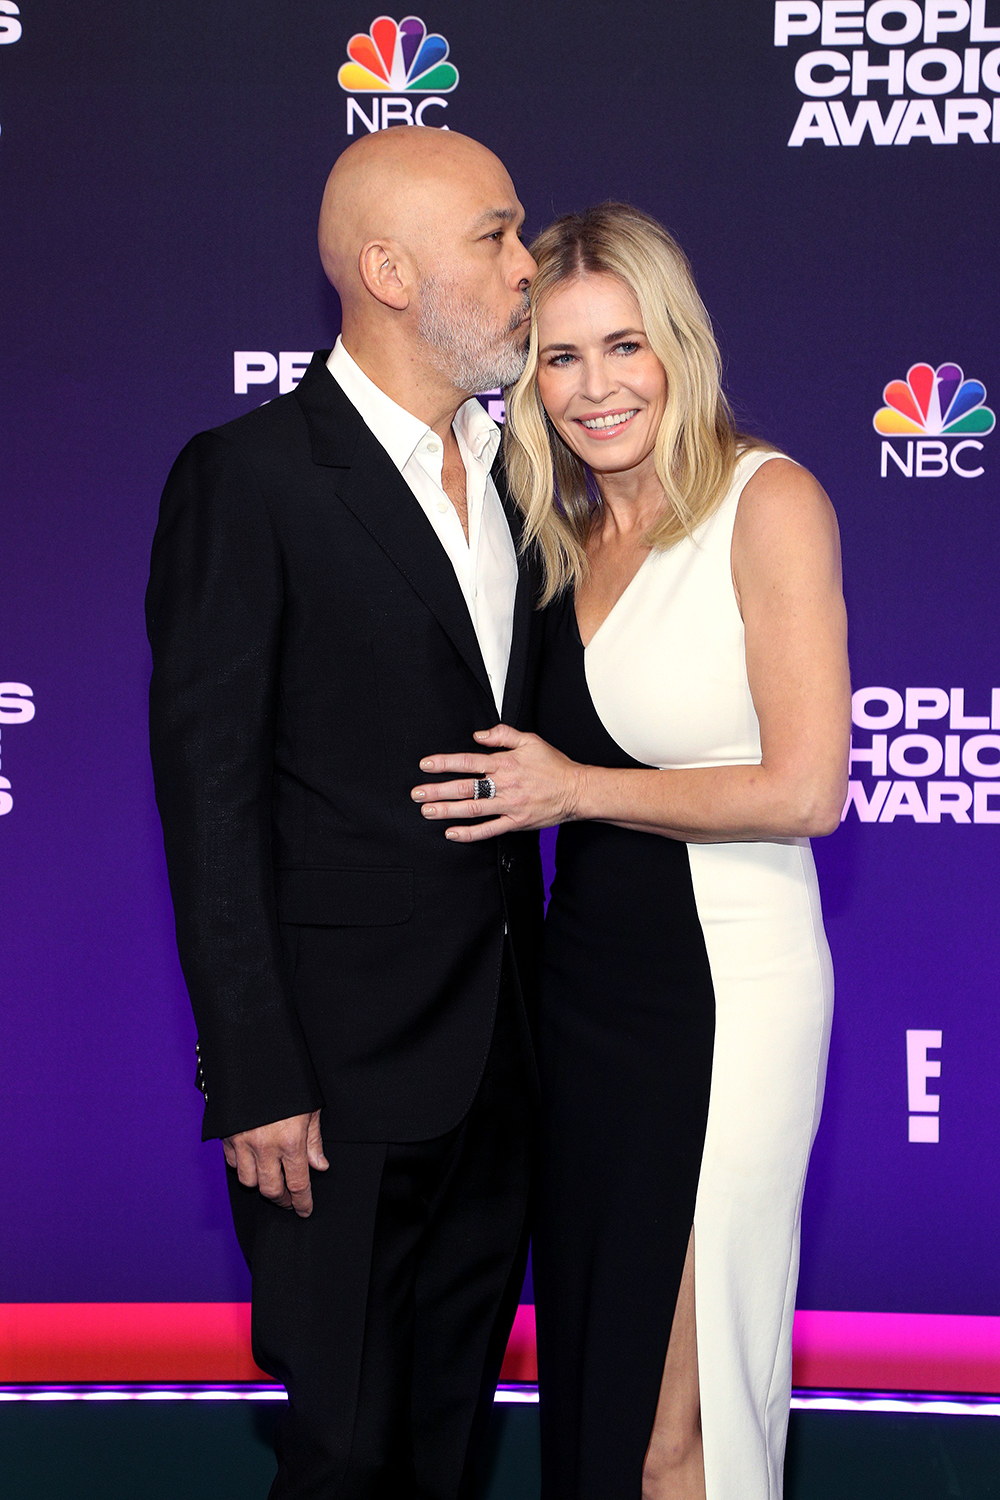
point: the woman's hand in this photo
(536, 786)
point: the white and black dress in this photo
(686, 1007)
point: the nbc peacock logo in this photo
(924, 409)
(393, 61)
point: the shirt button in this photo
(433, 446)
(442, 506)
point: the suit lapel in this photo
(524, 601)
(373, 489)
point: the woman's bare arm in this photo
(786, 573)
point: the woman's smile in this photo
(609, 424)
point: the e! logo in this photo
(924, 1107)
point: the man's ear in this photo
(385, 271)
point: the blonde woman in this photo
(694, 726)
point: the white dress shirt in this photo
(485, 565)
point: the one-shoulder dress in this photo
(684, 1027)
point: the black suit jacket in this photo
(310, 643)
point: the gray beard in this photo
(473, 355)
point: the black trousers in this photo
(387, 1312)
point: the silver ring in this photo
(483, 786)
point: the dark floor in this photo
(835, 1455)
(193, 1450)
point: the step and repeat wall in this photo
(831, 170)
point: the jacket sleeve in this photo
(213, 613)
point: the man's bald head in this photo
(399, 185)
(420, 234)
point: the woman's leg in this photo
(674, 1468)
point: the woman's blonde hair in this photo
(697, 444)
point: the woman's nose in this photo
(598, 383)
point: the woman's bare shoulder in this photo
(780, 481)
(785, 525)
(783, 499)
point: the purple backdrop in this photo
(160, 171)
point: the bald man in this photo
(336, 591)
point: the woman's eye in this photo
(560, 359)
(627, 346)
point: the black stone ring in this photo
(483, 786)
